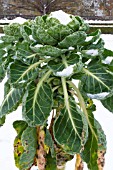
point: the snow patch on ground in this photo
(99, 22)
(19, 20)
(108, 39)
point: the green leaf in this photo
(89, 154)
(73, 58)
(8, 58)
(39, 21)
(2, 71)
(27, 30)
(56, 65)
(8, 39)
(43, 37)
(48, 50)
(44, 23)
(107, 53)
(98, 45)
(51, 22)
(38, 103)
(51, 162)
(74, 24)
(49, 142)
(59, 32)
(7, 88)
(25, 54)
(21, 73)
(77, 38)
(109, 66)
(107, 102)
(11, 101)
(2, 121)
(68, 128)
(2, 52)
(83, 26)
(29, 142)
(91, 53)
(94, 37)
(92, 146)
(101, 136)
(12, 30)
(97, 79)
(19, 126)
(24, 30)
(3, 45)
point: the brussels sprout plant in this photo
(54, 71)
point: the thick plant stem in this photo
(79, 164)
(41, 160)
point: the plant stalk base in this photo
(79, 164)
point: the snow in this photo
(71, 48)
(63, 17)
(4, 21)
(23, 81)
(65, 72)
(99, 22)
(31, 38)
(108, 38)
(7, 133)
(99, 96)
(92, 52)
(108, 60)
(78, 52)
(19, 20)
(34, 168)
(88, 38)
(38, 45)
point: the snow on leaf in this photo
(60, 15)
(65, 72)
(92, 52)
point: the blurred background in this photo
(88, 9)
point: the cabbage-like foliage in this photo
(41, 58)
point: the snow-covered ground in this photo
(7, 133)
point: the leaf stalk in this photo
(82, 104)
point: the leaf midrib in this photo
(38, 88)
(29, 68)
(67, 104)
(95, 77)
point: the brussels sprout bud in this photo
(55, 103)
(60, 90)
(56, 81)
